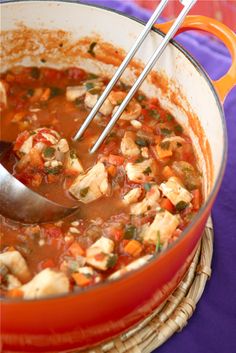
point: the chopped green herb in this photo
(91, 76)
(178, 129)
(181, 205)
(147, 171)
(140, 97)
(73, 154)
(165, 145)
(112, 260)
(73, 265)
(154, 114)
(169, 117)
(3, 270)
(30, 92)
(124, 86)
(165, 131)
(35, 73)
(55, 91)
(84, 191)
(158, 244)
(89, 85)
(54, 171)
(49, 152)
(79, 101)
(91, 48)
(141, 142)
(32, 133)
(147, 186)
(140, 160)
(95, 91)
(130, 231)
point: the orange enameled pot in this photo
(31, 30)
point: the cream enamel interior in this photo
(80, 20)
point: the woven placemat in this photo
(172, 315)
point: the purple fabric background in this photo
(212, 329)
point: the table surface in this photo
(212, 329)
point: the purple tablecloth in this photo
(212, 329)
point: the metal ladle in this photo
(20, 203)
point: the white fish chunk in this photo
(128, 146)
(132, 266)
(175, 192)
(106, 245)
(95, 257)
(139, 171)
(91, 100)
(161, 228)
(27, 145)
(132, 196)
(46, 282)
(150, 201)
(74, 92)
(73, 163)
(12, 282)
(17, 265)
(92, 185)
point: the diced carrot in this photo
(167, 172)
(80, 279)
(76, 250)
(163, 153)
(146, 128)
(112, 170)
(15, 293)
(196, 201)
(133, 248)
(46, 94)
(116, 160)
(167, 205)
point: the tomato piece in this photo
(53, 231)
(22, 137)
(167, 205)
(196, 201)
(76, 250)
(52, 74)
(74, 73)
(116, 160)
(81, 280)
(110, 147)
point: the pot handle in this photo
(222, 32)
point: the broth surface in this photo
(146, 190)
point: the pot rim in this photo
(210, 197)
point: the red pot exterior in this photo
(79, 321)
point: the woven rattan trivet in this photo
(172, 315)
